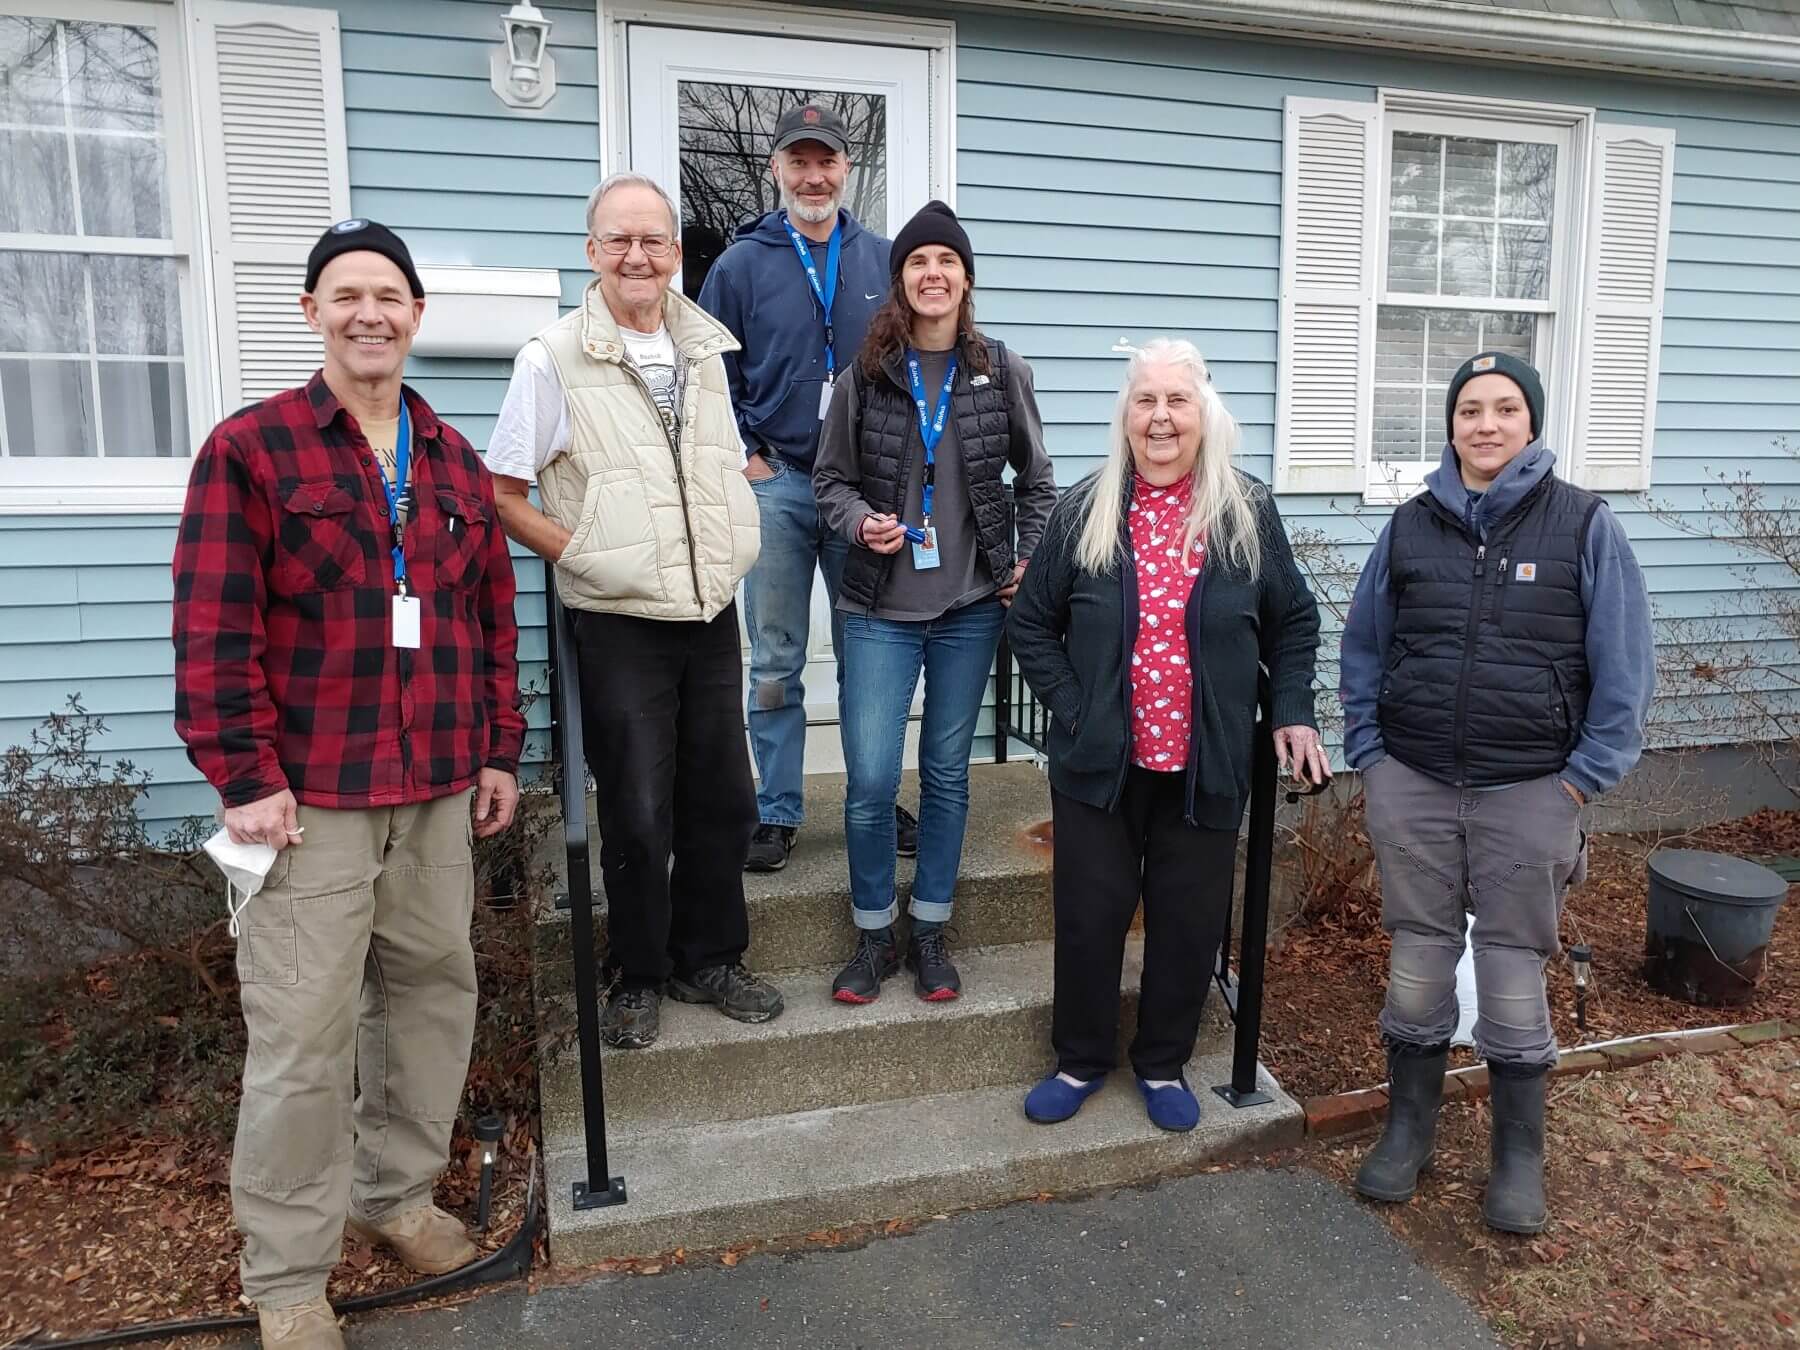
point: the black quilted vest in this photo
(888, 442)
(1486, 681)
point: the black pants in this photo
(1106, 860)
(663, 718)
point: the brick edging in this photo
(1350, 1112)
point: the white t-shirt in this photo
(533, 426)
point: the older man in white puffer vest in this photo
(620, 413)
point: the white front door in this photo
(703, 106)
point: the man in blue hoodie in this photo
(798, 288)
(1497, 668)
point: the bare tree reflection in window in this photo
(727, 134)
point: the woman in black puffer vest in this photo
(910, 468)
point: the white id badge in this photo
(825, 399)
(925, 555)
(406, 621)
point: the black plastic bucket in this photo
(1709, 923)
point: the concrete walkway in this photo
(1249, 1259)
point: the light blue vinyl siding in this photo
(1121, 182)
(1118, 182)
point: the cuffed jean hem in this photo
(785, 824)
(929, 911)
(877, 918)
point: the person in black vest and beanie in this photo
(1163, 583)
(909, 469)
(1497, 669)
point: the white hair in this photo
(612, 182)
(1220, 512)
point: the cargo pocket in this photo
(745, 514)
(613, 553)
(318, 546)
(269, 956)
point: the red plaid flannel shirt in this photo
(285, 670)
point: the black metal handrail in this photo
(599, 1188)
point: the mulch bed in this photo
(1673, 1191)
(1327, 971)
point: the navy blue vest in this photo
(1486, 681)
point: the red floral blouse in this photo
(1162, 687)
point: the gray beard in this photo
(812, 215)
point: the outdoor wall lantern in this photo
(523, 72)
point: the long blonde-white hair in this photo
(1220, 511)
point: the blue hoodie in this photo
(1621, 646)
(759, 291)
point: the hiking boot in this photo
(311, 1325)
(769, 848)
(876, 958)
(906, 833)
(732, 989)
(631, 1018)
(928, 957)
(1514, 1202)
(425, 1238)
(1415, 1091)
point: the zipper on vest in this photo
(687, 518)
(1498, 607)
(1468, 665)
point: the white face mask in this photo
(245, 867)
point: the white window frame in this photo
(30, 485)
(1558, 339)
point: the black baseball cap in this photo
(812, 122)
(362, 236)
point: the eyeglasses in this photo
(618, 245)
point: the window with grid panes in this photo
(1470, 264)
(92, 357)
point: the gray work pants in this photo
(1508, 854)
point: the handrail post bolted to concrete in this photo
(600, 1188)
(1258, 864)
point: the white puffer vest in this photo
(660, 530)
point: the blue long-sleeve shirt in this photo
(1620, 643)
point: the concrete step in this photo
(820, 1053)
(716, 1184)
(800, 916)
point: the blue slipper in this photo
(1171, 1108)
(1054, 1100)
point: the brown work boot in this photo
(425, 1238)
(304, 1326)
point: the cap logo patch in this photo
(810, 115)
(347, 226)
(1525, 572)
(1483, 363)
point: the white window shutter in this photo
(1330, 190)
(1622, 313)
(277, 174)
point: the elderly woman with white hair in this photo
(1162, 583)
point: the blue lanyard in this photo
(826, 293)
(396, 492)
(931, 424)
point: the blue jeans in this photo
(777, 612)
(882, 661)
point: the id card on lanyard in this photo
(931, 430)
(399, 500)
(826, 294)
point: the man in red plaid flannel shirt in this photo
(351, 691)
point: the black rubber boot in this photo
(1415, 1091)
(1515, 1191)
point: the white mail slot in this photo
(485, 311)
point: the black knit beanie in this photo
(1497, 363)
(358, 236)
(935, 223)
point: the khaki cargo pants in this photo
(358, 977)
